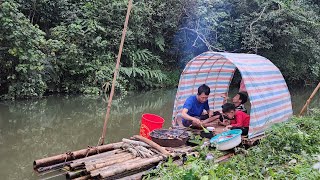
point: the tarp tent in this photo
(267, 90)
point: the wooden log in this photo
(130, 166)
(137, 143)
(153, 145)
(75, 155)
(96, 172)
(91, 167)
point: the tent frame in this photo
(266, 87)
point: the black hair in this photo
(203, 89)
(227, 107)
(243, 97)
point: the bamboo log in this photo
(80, 162)
(75, 154)
(96, 160)
(224, 158)
(53, 167)
(309, 100)
(117, 156)
(91, 167)
(137, 176)
(75, 174)
(137, 143)
(130, 166)
(153, 145)
(83, 177)
(101, 155)
(96, 172)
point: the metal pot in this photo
(169, 137)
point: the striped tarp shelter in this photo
(267, 90)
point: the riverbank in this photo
(291, 150)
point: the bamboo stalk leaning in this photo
(309, 100)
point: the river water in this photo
(33, 129)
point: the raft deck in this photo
(129, 159)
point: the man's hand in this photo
(196, 122)
(229, 126)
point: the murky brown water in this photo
(32, 129)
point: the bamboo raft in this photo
(129, 159)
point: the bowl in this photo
(210, 128)
(227, 140)
(206, 135)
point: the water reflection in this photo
(37, 128)
(33, 129)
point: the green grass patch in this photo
(290, 151)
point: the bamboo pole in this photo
(130, 166)
(75, 174)
(96, 172)
(83, 177)
(82, 162)
(91, 167)
(309, 100)
(106, 159)
(74, 155)
(116, 71)
(153, 144)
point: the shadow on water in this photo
(33, 129)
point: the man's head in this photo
(240, 98)
(229, 110)
(203, 93)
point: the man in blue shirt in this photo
(192, 112)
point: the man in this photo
(239, 100)
(192, 112)
(238, 119)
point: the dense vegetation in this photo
(290, 151)
(71, 46)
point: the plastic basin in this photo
(227, 140)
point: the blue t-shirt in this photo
(195, 108)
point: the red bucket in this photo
(150, 122)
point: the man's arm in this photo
(186, 116)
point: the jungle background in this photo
(69, 46)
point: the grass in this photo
(290, 151)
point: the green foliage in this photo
(288, 152)
(71, 46)
(23, 62)
(284, 31)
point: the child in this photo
(238, 119)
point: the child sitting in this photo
(238, 119)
